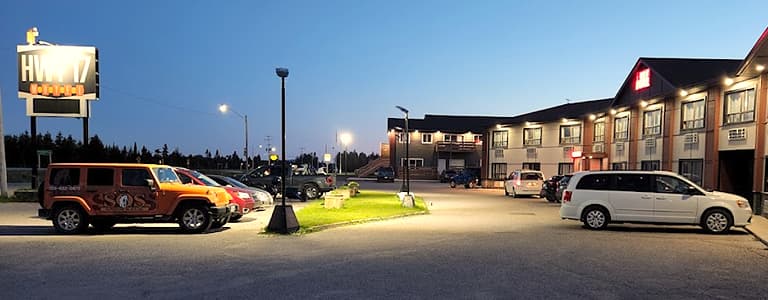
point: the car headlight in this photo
(242, 195)
(263, 197)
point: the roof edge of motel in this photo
(672, 74)
(461, 124)
(759, 53)
(572, 110)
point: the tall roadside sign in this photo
(56, 81)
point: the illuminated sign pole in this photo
(56, 81)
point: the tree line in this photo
(19, 153)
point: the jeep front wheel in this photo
(194, 219)
(70, 219)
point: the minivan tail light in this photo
(567, 196)
(329, 180)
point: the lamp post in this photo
(407, 183)
(224, 108)
(283, 218)
(345, 138)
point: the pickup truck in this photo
(306, 186)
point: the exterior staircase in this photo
(372, 166)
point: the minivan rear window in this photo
(532, 176)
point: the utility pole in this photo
(3, 168)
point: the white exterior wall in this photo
(682, 149)
(616, 155)
(749, 142)
(651, 147)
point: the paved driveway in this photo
(474, 244)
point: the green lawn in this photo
(366, 206)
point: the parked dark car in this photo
(469, 177)
(549, 188)
(446, 175)
(385, 174)
(269, 178)
(561, 185)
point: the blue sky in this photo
(166, 65)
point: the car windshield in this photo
(234, 182)
(165, 174)
(205, 179)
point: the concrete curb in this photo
(759, 228)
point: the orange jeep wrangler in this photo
(75, 195)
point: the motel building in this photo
(438, 143)
(702, 118)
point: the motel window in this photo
(652, 122)
(693, 115)
(500, 139)
(400, 137)
(564, 168)
(621, 128)
(599, 132)
(650, 165)
(532, 166)
(619, 166)
(693, 169)
(740, 106)
(532, 136)
(570, 134)
(498, 171)
(426, 138)
(451, 138)
(413, 162)
(477, 138)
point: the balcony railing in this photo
(457, 147)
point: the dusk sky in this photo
(165, 66)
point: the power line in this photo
(155, 101)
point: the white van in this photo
(523, 182)
(600, 197)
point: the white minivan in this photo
(523, 182)
(601, 197)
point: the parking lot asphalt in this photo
(474, 244)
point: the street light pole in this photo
(283, 218)
(224, 108)
(407, 197)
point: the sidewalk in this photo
(759, 228)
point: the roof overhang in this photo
(757, 56)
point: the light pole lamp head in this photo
(223, 108)
(346, 138)
(282, 72)
(402, 109)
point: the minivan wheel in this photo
(70, 219)
(194, 219)
(453, 184)
(506, 193)
(595, 217)
(717, 221)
